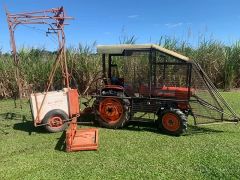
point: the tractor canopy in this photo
(151, 71)
(119, 49)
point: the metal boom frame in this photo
(55, 19)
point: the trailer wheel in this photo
(173, 122)
(55, 121)
(111, 112)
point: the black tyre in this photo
(111, 112)
(173, 122)
(55, 121)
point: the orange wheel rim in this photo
(111, 110)
(55, 122)
(171, 122)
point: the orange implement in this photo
(81, 139)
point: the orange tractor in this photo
(151, 79)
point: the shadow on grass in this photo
(86, 118)
(61, 144)
(142, 126)
(196, 130)
(28, 126)
(151, 126)
(13, 116)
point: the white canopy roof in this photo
(118, 49)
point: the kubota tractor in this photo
(152, 79)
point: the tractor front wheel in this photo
(111, 112)
(173, 122)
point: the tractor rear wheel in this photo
(173, 122)
(111, 112)
(55, 121)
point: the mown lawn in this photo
(209, 152)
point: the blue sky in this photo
(104, 21)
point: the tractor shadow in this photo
(151, 126)
(86, 118)
(26, 124)
(197, 130)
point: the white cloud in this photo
(133, 16)
(173, 25)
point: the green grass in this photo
(209, 152)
